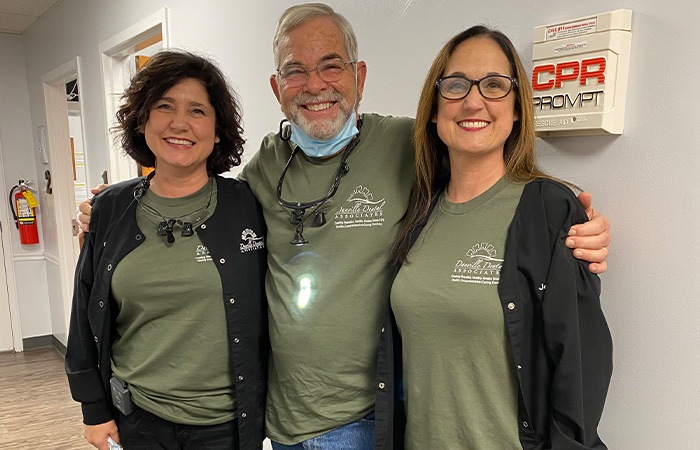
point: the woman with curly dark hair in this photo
(168, 339)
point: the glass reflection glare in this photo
(304, 292)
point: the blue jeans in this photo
(357, 435)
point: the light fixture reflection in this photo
(304, 292)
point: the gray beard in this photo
(323, 130)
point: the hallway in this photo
(36, 410)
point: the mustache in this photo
(326, 96)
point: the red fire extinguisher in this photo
(22, 205)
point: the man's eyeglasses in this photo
(493, 87)
(329, 70)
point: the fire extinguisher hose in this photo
(12, 205)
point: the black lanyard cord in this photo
(298, 209)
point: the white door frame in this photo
(61, 164)
(9, 266)
(116, 75)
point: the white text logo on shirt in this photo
(480, 266)
(251, 241)
(201, 254)
(360, 210)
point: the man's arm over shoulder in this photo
(590, 240)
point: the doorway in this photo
(122, 56)
(75, 129)
(64, 130)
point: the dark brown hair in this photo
(164, 70)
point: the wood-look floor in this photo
(36, 410)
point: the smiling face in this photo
(181, 128)
(319, 108)
(475, 126)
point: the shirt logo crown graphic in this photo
(251, 241)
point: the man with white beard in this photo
(334, 185)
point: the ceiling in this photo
(17, 15)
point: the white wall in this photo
(644, 180)
(15, 126)
(19, 163)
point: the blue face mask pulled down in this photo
(320, 149)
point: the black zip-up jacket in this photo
(560, 340)
(242, 268)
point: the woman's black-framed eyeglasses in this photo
(492, 87)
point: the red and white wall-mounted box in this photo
(579, 76)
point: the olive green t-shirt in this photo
(460, 384)
(327, 298)
(171, 344)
